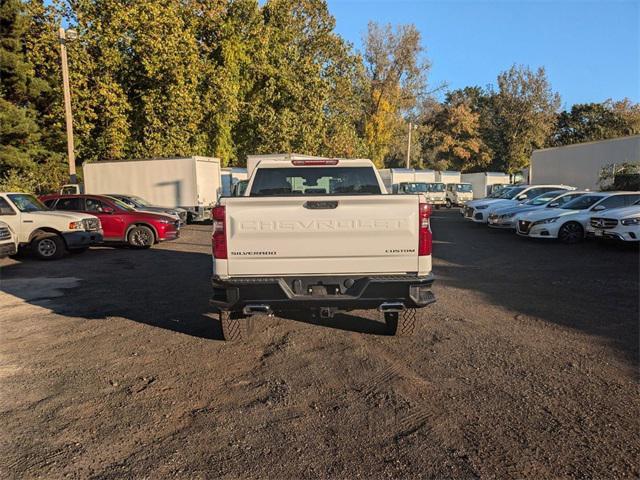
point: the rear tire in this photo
(570, 233)
(235, 327)
(140, 237)
(402, 324)
(48, 246)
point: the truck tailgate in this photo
(369, 234)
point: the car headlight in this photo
(482, 207)
(76, 225)
(630, 221)
(546, 220)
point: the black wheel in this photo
(140, 237)
(571, 232)
(189, 218)
(78, 250)
(48, 246)
(448, 203)
(402, 324)
(235, 326)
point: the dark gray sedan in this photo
(142, 205)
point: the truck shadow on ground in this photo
(164, 288)
(589, 287)
(341, 321)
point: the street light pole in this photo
(68, 117)
(409, 146)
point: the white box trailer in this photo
(448, 176)
(483, 183)
(424, 176)
(231, 176)
(192, 183)
(392, 177)
(580, 164)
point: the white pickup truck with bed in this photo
(320, 235)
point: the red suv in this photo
(120, 222)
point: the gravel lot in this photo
(527, 366)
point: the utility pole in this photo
(68, 117)
(411, 127)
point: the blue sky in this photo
(590, 49)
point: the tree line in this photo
(228, 78)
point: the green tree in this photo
(523, 110)
(596, 121)
(25, 159)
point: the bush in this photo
(38, 179)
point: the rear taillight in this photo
(302, 163)
(219, 238)
(424, 229)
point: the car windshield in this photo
(120, 204)
(315, 181)
(463, 187)
(141, 202)
(497, 193)
(582, 203)
(542, 199)
(26, 203)
(414, 187)
(436, 187)
(511, 193)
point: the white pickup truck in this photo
(49, 234)
(323, 236)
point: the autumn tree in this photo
(453, 139)
(396, 71)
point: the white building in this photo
(580, 164)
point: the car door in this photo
(112, 218)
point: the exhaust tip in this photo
(392, 307)
(257, 310)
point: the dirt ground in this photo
(526, 367)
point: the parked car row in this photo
(53, 225)
(560, 212)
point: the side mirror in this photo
(598, 208)
(108, 210)
(522, 196)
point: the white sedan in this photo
(479, 210)
(619, 224)
(569, 223)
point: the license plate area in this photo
(599, 232)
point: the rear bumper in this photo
(82, 239)
(339, 292)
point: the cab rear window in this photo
(315, 181)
